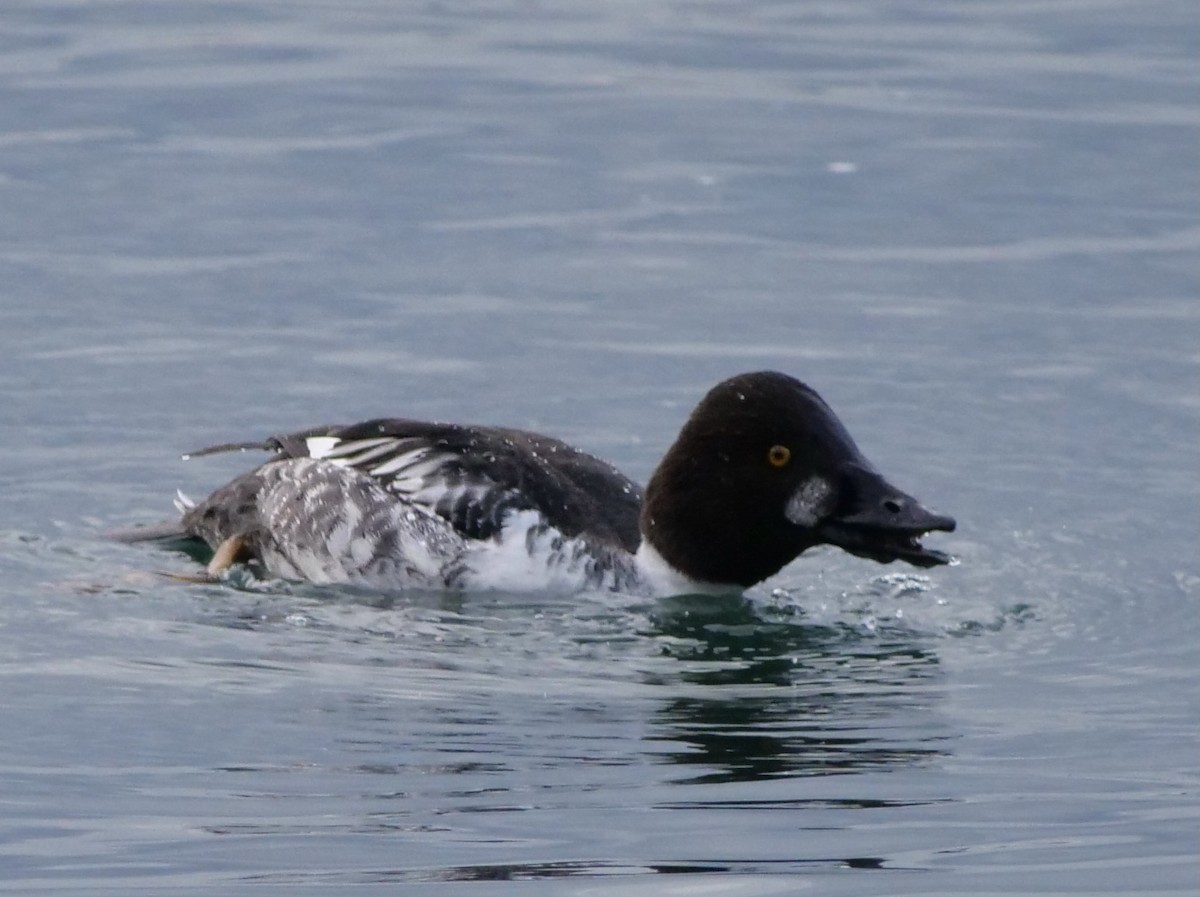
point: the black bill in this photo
(875, 520)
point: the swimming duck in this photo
(761, 471)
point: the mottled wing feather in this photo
(474, 476)
(306, 519)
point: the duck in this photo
(761, 472)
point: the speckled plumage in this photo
(307, 519)
(761, 471)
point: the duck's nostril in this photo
(892, 506)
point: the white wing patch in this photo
(350, 452)
(412, 464)
(408, 467)
(320, 446)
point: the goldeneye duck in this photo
(761, 471)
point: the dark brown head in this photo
(763, 470)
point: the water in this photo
(973, 227)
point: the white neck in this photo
(664, 580)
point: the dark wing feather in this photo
(473, 476)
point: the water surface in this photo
(973, 227)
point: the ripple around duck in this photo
(970, 225)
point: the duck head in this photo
(763, 470)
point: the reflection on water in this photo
(728, 689)
(497, 719)
(971, 225)
(436, 727)
(539, 871)
(787, 698)
(747, 739)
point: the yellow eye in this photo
(779, 455)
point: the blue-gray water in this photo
(973, 226)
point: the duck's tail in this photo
(166, 531)
(153, 532)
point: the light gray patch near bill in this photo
(810, 502)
